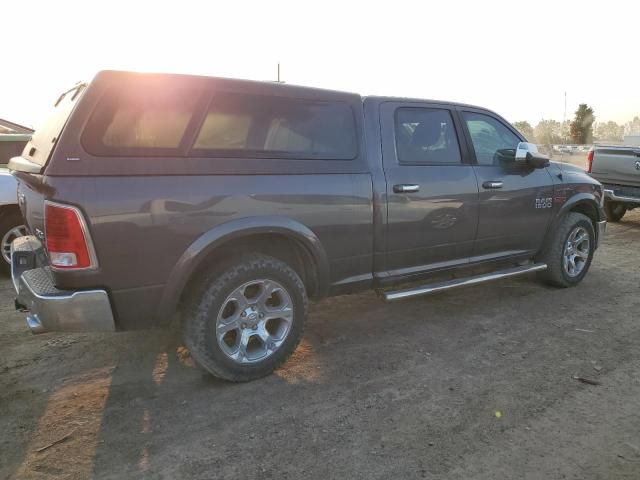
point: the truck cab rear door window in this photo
(426, 136)
(276, 127)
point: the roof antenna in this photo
(278, 80)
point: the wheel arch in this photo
(584, 203)
(281, 237)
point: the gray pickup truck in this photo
(618, 168)
(233, 202)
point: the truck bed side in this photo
(617, 165)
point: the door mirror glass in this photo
(523, 149)
(528, 154)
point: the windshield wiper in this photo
(77, 88)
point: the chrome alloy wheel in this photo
(10, 236)
(576, 252)
(254, 321)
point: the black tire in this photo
(556, 274)
(202, 309)
(615, 211)
(8, 221)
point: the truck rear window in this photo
(39, 148)
(153, 122)
(271, 127)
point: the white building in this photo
(632, 140)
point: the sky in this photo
(517, 58)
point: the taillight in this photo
(67, 237)
(589, 165)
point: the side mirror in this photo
(527, 154)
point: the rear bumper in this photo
(49, 308)
(615, 196)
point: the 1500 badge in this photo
(544, 202)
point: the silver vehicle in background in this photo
(13, 138)
(618, 169)
(11, 223)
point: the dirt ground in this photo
(470, 384)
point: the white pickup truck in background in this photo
(618, 169)
(13, 138)
(11, 223)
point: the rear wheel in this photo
(246, 319)
(11, 227)
(615, 211)
(569, 253)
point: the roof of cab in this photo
(382, 99)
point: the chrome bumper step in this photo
(461, 282)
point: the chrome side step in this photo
(462, 282)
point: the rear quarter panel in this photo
(142, 225)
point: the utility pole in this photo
(564, 117)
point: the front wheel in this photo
(615, 211)
(568, 255)
(246, 319)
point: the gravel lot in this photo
(470, 384)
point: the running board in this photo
(462, 282)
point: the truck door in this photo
(515, 202)
(432, 193)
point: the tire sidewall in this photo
(615, 211)
(209, 353)
(588, 226)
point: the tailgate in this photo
(617, 165)
(31, 196)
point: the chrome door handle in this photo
(492, 184)
(406, 188)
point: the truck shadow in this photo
(629, 221)
(163, 394)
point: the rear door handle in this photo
(406, 188)
(492, 184)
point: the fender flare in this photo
(582, 197)
(233, 230)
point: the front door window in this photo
(491, 139)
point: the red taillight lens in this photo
(589, 165)
(66, 238)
